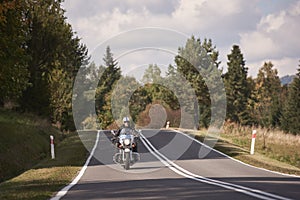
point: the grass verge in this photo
(48, 176)
(24, 142)
(234, 148)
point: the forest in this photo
(40, 55)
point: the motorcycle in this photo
(125, 155)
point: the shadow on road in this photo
(170, 188)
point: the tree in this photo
(237, 88)
(290, 120)
(39, 51)
(128, 99)
(14, 75)
(191, 60)
(175, 88)
(61, 96)
(55, 54)
(152, 74)
(267, 91)
(84, 94)
(110, 76)
(153, 83)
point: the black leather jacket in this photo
(134, 132)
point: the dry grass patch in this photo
(275, 150)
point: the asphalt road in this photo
(174, 166)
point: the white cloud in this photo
(258, 45)
(272, 22)
(276, 35)
(284, 66)
(262, 35)
(274, 39)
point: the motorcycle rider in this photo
(126, 124)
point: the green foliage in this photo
(139, 99)
(291, 114)
(110, 76)
(60, 96)
(84, 95)
(25, 138)
(122, 99)
(267, 92)
(152, 75)
(39, 58)
(14, 74)
(193, 65)
(51, 46)
(237, 87)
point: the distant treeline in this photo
(262, 101)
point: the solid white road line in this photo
(283, 174)
(179, 170)
(64, 191)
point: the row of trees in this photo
(260, 101)
(39, 58)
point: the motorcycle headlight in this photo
(127, 142)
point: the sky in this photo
(150, 31)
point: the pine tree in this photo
(192, 58)
(237, 88)
(121, 95)
(267, 92)
(290, 120)
(110, 76)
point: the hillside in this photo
(24, 142)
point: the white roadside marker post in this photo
(253, 142)
(52, 146)
(168, 125)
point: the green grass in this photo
(24, 141)
(26, 169)
(238, 147)
(49, 176)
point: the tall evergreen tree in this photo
(267, 92)
(152, 74)
(237, 88)
(191, 59)
(110, 76)
(290, 120)
(83, 95)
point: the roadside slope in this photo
(242, 154)
(24, 142)
(49, 176)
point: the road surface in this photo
(175, 166)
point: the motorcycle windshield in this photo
(125, 136)
(126, 131)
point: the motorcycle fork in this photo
(123, 154)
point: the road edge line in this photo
(64, 190)
(234, 159)
(183, 172)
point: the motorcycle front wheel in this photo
(127, 160)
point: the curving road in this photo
(174, 165)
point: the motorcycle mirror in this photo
(112, 132)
